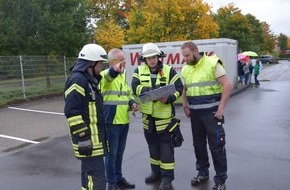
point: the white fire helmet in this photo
(93, 52)
(150, 49)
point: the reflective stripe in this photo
(97, 151)
(75, 120)
(93, 122)
(161, 127)
(145, 122)
(162, 124)
(90, 183)
(204, 106)
(155, 162)
(205, 83)
(139, 89)
(167, 166)
(116, 103)
(174, 79)
(76, 87)
(76, 124)
(79, 130)
(163, 121)
(118, 93)
(136, 75)
(173, 127)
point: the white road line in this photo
(19, 139)
(37, 111)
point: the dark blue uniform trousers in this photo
(204, 128)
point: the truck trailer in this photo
(225, 49)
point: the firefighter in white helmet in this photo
(161, 128)
(84, 113)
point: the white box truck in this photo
(225, 49)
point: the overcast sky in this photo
(276, 13)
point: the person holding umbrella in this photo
(240, 67)
(251, 62)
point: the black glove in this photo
(85, 146)
(176, 136)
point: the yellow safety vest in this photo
(116, 91)
(155, 108)
(203, 91)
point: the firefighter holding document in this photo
(161, 128)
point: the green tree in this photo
(233, 24)
(42, 27)
(270, 39)
(283, 40)
(112, 9)
(257, 33)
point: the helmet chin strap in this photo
(93, 68)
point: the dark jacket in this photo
(84, 109)
(240, 69)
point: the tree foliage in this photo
(283, 41)
(170, 20)
(250, 33)
(61, 26)
(109, 34)
(112, 9)
(42, 27)
(257, 38)
(270, 39)
(233, 24)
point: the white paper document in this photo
(163, 91)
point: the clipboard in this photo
(157, 93)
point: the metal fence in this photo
(30, 76)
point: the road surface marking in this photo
(29, 110)
(19, 139)
(37, 111)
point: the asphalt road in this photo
(40, 157)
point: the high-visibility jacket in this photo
(84, 112)
(117, 96)
(203, 90)
(142, 82)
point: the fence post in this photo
(46, 71)
(22, 76)
(64, 66)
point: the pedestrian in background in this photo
(84, 112)
(161, 128)
(257, 72)
(205, 94)
(240, 72)
(118, 101)
(246, 69)
(251, 68)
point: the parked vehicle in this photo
(268, 59)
